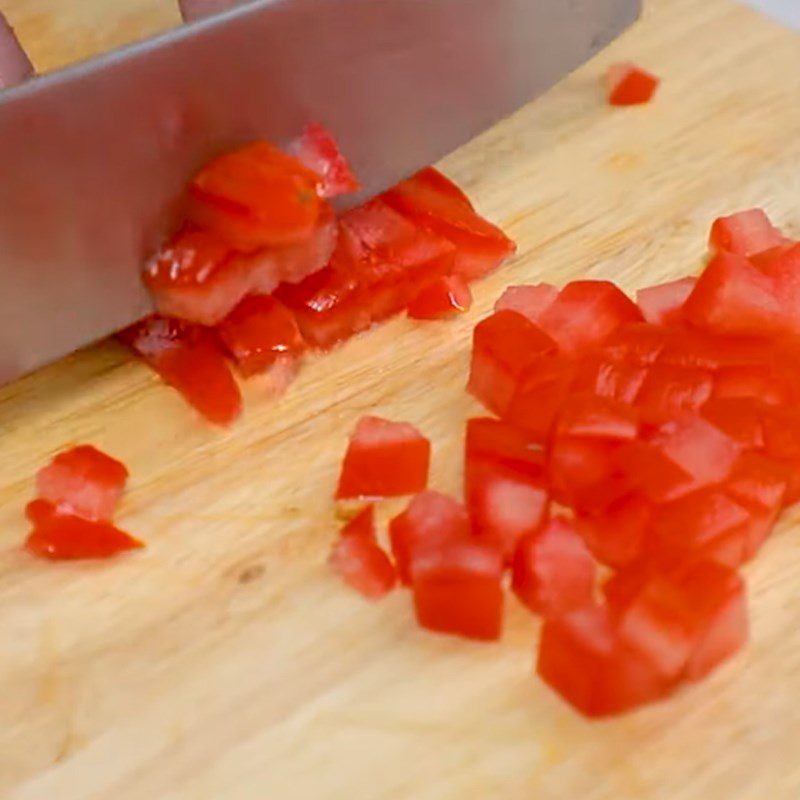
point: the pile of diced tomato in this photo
(262, 270)
(639, 454)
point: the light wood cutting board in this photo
(225, 662)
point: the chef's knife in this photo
(93, 158)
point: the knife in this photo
(93, 158)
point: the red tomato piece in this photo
(530, 301)
(293, 263)
(701, 450)
(582, 657)
(188, 359)
(458, 589)
(696, 349)
(259, 331)
(255, 197)
(762, 382)
(363, 524)
(430, 521)
(384, 459)
(737, 417)
(629, 85)
(616, 535)
(503, 346)
(745, 233)
(667, 392)
(734, 297)
(639, 344)
(84, 482)
(553, 571)
(430, 201)
(317, 150)
(498, 441)
(442, 298)
(362, 564)
(663, 304)
(61, 536)
(585, 313)
(651, 472)
(504, 504)
(620, 382)
(588, 415)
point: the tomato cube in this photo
(585, 313)
(431, 520)
(651, 472)
(588, 415)
(363, 565)
(187, 358)
(553, 572)
(442, 298)
(384, 459)
(616, 535)
(498, 441)
(60, 536)
(458, 589)
(745, 233)
(639, 344)
(362, 524)
(582, 657)
(669, 391)
(663, 304)
(629, 85)
(84, 482)
(503, 346)
(762, 382)
(317, 150)
(737, 417)
(604, 378)
(504, 504)
(530, 301)
(259, 331)
(429, 200)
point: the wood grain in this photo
(225, 661)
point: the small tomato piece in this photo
(363, 565)
(745, 233)
(629, 85)
(615, 536)
(530, 301)
(363, 524)
(587, 415)
(317, 150)
(441, 298)
(663, 304)
(668, 391)
(498, 441)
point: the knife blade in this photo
(93, 158)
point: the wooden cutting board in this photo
(224, 662)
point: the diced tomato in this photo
(503, 346)
(293, 263)
(60, 536)
(428, 200)
(651, 472)
(588, 415)
(620, 382)
(384, 459)
(363, 524)
(317, 150)
(663, 304)
(442, 298)
(255, 197)
(258, 331)
(745, 233)
(638, 344)
(629, 85)
(431, 520)
(737, 417)
(498, 441)
(504, 504)
(668, 391)
(458, 589)
(553, 572)
(188, 359)
(734, 297)
(585, 313)
(691, 348)
(616, 535)
(363, 565)
(761, 382)
(530, 301)
(582, 657)
(84, 482)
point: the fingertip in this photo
(15, 66)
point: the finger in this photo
(15, 66)
(197, 9)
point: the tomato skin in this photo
(430, 521)
(84, 482)
(629, 85)
(530, 301)
(430, 201)
(188, 359)
(503, 346)
(553, 572)
(442, 298)
(663, 304)
(384, 459)
(259, 331)
(457, 589)
(745, 233)
(363, 565)
(582, 657)
(60, 536)
(317, 150)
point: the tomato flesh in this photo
(615, 535)
(317, 150)
(745, 233)
(363, 524)
(494, 440)
(442, 298)
(663, 304)
(530, 301)
(629, 85)
(363, 565)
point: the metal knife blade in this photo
(93, 158)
